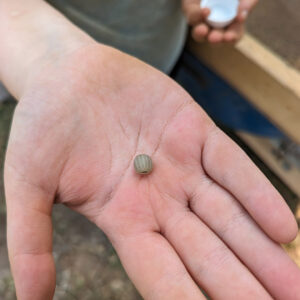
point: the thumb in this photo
(248, 4)
(29, 235)
(245, 8)
(193, 12)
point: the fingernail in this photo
(244, 14)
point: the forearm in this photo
(32, 34)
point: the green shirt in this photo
(152, 30)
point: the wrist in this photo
(33, 35)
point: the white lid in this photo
(222, 12)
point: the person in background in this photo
(154, 31)
(205, 216)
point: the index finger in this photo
(234, 32)
(230, 167)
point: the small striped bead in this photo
(143, 164)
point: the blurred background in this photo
(87, 266)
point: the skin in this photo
(201, 31)
(205, 216)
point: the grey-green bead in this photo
(143, 164)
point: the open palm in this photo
(204, 217)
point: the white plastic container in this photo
(222, 12)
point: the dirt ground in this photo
(277, 24)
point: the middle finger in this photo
(216, 36)
(213, 266)
(265, 258)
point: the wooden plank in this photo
(261, 76)
(264, 149)
(276, 23)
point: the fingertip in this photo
(215, 37)
(203, 29)
(287, 232)
(234, 32)
(280, 222)
(205, 12)
(230, 37)
(247, 5)
(243, 15)
(200, 32)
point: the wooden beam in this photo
(264, 149)
(260, 76)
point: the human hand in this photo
(204, 216)
(201, 31)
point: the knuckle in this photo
(236, 220)
(216, 258)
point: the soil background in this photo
(276, 23)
